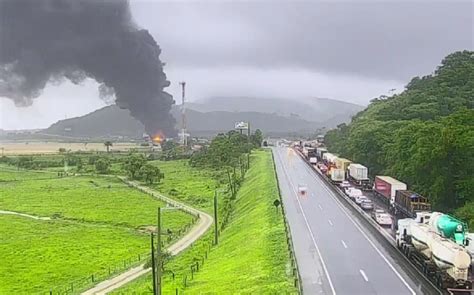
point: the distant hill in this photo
(112, 121)
(273, 116)
(312, 109)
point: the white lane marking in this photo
(307, 225)
(344, 244)
(364, 275)
(330, 222)
(321, 208)
(338, 203)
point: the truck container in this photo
(329, 158)
(311, 153)
(386, 187)
(342, 163)
(449, 227)
(358, 172)
(337, 175)
(408, 203)
(444, 262)
(320, 151)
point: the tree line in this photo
(423, 136)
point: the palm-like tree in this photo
(108, 144)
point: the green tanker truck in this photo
(449, 227)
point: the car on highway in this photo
(381, 217)
(367, 205)
(377, 211)
(354, 192)
(360, 199)
(345, 184)
(302, 189)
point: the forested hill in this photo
(423, 136)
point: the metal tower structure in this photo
(183, 115)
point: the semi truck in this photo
(329, 158)
(385, 188)
(408, 203)
(444, 262)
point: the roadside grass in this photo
(251, 257)
(36, 256)
(104, 200)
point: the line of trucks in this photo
(436, 243)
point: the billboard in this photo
(241, 125)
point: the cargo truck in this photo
(385, 188)
(408, 203)
(320, 152)
(329, 158)
(337, 175)
(357, 174)
(441, 260)
(342, 163)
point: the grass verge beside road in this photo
(252, 256)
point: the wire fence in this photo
(294, 265)
(81, 284)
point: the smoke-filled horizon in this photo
(77, 39)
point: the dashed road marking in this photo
(344, 244)
(364, 275)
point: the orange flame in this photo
(159, 137)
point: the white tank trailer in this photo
(443, 261)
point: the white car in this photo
(354, 192)
(360, 199)
(367, 205)
(345, 184)
(383, 219)
(302, 189)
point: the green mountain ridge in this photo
(423, 136)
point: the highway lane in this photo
(335, 253)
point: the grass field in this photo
(88, 199)
(252, 256)
(51, 147)
(187, 184)
(95, 227)
(36, 256)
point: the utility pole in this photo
(248, 141)
(216, 241)
(158, 255)
(183, 114)
(153, 263)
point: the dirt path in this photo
(24, 215)
(205, 221)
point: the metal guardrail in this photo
(294, 264)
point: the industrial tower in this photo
(183, 115)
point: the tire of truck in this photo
(439, 281)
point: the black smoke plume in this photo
(45, 41)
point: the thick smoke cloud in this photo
(45, 41)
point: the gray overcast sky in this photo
(348, 50)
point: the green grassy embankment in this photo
(252, 256)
